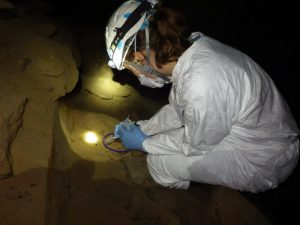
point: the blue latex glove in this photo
(131, 136)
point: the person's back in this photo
(253, 120)
(257, 100)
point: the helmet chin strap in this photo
(147, 68)
(147, 45)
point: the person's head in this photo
(167, 39)
(127, 40)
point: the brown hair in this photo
(167, 31)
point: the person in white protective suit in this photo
(226, 122)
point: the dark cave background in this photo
(265, 30)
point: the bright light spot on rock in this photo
(101, 84)
(91, 137)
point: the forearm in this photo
(171, 142)
(164, 143)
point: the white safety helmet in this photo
(122, 28)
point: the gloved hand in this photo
(131, 136)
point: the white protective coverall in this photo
(225, 124)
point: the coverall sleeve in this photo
(205, 126)
(207, 119)
(207, 122)
(166, 119)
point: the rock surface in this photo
(35, 71)
(6, 5)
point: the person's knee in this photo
(161, 174)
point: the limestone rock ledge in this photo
(35, 71)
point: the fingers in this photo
(137, 72)
(116, 132)
(132, 69)
(123, 129)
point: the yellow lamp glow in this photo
(91, 137)
(101, 84)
